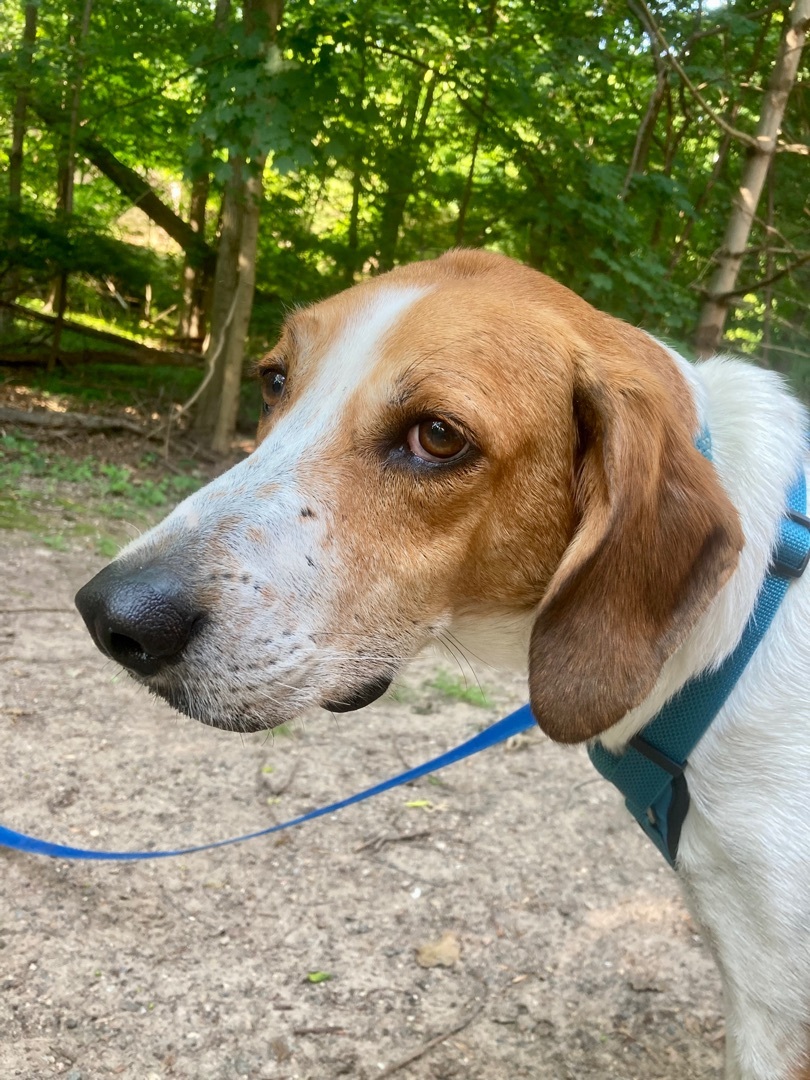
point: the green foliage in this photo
(394, 132)
(459, 690)
(64, 500)
(23, 458)
(93, 384)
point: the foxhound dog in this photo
(465, 445)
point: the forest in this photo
(178, 173)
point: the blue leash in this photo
(650, 773)
(520, 720)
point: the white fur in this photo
(269, 652)
(745, 848)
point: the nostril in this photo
(122, 646)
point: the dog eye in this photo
(273, 382)
(435, 439)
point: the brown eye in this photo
(273, 382)
(436, 440)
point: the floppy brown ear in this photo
(656, 539)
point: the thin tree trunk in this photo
(712, 319)
(191, 326)
(66, 174)
(253, 191)
(234, 284)
(641, 149)
(466, 195)
(401, 175)
(10, 286)
(197, 273)
(226, 278)
(724, 146)
(350, 264)
(353, 239)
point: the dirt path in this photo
(577, 958)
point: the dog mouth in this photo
(361, 697)
(238, 720)
(249, 720)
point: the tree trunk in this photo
(10, 286)
(721, 288)
(226, 279)
(724, 146)
(466, 196)
(234, 283)
(66, 174)
(191, 325)
(197, 274)
(351, 258)
(402, 168)
(234, 353)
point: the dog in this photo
(463, 444)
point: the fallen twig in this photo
(431, 1043)
(320, 1031)
(376, 842)
(36, 611)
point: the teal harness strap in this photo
(650, 772)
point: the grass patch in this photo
(454, 689)
(14, 514)
(64, 500)
(109, 384)
(21, 458)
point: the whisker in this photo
(454, 656)
(461, 649)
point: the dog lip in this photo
(362, 696)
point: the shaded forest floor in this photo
(568, 951)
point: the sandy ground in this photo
(575, 956)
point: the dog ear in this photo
(656, 538)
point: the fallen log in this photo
(70, 421)
(136, 347)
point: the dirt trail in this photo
(577, 958)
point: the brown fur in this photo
(588, 498)
(657, 538)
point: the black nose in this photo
(142, 618)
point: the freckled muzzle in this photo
(143, 618)
(162, 629)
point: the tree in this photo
(10, 287)
(65, 176)
(723, 285)
(599, 143)
(235, 276)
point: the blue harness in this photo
(650, 772)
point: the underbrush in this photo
(67, 501)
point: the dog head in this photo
(459, 440)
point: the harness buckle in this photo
(785, 569)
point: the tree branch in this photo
(136, 189)
(668, 55)
(754, 286)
